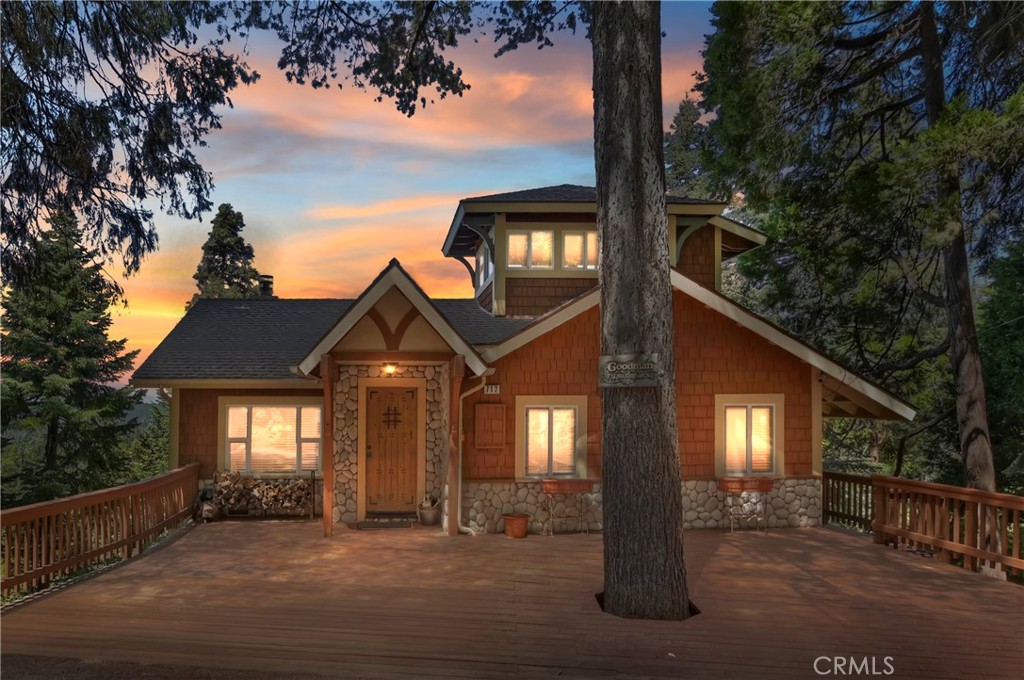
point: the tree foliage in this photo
(880, 142)
(62, 417)
(225, 269)
(685, 147)
(1002, 339)
(103, 106)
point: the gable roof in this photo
(264, 338)
(477, 211)
(841, 378)
(393, 276)
(256, 339)
(566, 193)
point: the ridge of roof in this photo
(565, 193)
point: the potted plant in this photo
(429, 511)
(517, 524)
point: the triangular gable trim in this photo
(393, 276)
(731, 311)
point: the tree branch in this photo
(902, 447)
(914, 360)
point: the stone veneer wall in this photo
(346, 430)
(793, 502)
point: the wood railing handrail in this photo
(54, 539)
(1003, 500)
(848, 477)
(24, 512)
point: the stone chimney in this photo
(266, 286)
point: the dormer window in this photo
(579, 250)
(530, 249)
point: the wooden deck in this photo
(277, 597)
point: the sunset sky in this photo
(333, 184)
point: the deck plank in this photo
(277, 597)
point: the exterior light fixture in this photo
(389, 369)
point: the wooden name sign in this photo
(629, 370)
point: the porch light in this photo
(389, 369)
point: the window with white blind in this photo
(551, 436)
(748, 434)
(531, 249)
(579, 250)
(265, 439)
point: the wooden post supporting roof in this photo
(327, 375)
(458, 370)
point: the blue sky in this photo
(333, 184)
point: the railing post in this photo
(879, 513)
(971, 533)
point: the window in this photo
(579, 250)
(484, 266)
(530, 249)
(273, 438)
(550, 441)
(551, 436)
(748, 434)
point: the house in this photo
(394, 395)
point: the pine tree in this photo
(225, 270)
(62, 417)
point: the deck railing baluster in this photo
(50, 540)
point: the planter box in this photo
(741, 484)
(567, 485)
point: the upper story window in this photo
(273, 438)
(579, 250)
(530, 249)
(484, 266)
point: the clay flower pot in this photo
(516, 524)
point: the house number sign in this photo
(629, 370)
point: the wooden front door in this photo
(391, 449)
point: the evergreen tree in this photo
(884, 142)
(146, 452)
(1002, 339)
(225, 270)
(685, 146)
(62, 417)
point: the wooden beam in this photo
(328, 371)
(817, 433)
(458, 371)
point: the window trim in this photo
(579, 402)
(586, 267)
(529, 266)
(488, 269)
(224, 442)
(778, 404)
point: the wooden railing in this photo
(847, 500)
(51, 540)
(965, 526)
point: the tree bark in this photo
(643, 521)
(971, 407)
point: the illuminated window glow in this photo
(579, 250)
(273, 439)
(530, 249)
(550, 441)
(749, 439)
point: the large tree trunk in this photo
(643, 520)
(971, 408)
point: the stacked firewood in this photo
(238, 495)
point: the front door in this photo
(391, 449)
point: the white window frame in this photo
(586, 267)
(224, 403)
(529, 249)
(577, 402)
(485, 273)
(777, 403)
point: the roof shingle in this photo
(262, 339)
